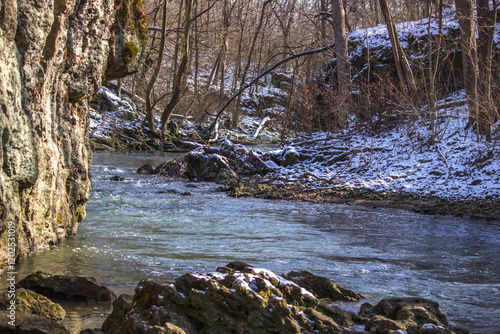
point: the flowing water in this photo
(140, 228)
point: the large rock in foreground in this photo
(241, 299)
(53, 56)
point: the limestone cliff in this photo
(54, 54)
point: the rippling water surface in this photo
(134, 231)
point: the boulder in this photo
(225, 175)
(118, 178)
(171, 168)
(146, 169)
(33, 313)
(237, 298)
(413, 315)
(221, 164)
(322, 287)
(30, 302)
(286, 156)
(31, 324)
(67, 287)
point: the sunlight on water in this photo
(133, 232)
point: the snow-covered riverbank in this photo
(404, 159)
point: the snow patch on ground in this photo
(456, 167)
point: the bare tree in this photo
(466, 20)
(250, 53)
(343, 67)
(374, 6)
(486, 19)
(152, 81)
(405, 73)
(181, 69)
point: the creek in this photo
(144, 228)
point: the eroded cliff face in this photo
(54, 54)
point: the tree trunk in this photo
(225, 38)
(149, 106)
(343, 67)
(402, 66)
(323, 17)
(181, 70)
(177, 39)
(196, 50)
(250, 54)
(465, 13)
(375, 9)
(486, 19)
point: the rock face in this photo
(238, 298)
(53, 55)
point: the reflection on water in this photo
(134, 232)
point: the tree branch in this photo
(269, 70)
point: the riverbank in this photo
(475, 209)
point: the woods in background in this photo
(203, 52)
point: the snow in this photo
(456, 167)
(377, 37)
(265, 273)
(217, 276)
(272, 165)
(358, 328)
(285, 282)
(124, 117)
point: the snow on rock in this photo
(414, 36)
(118, 123)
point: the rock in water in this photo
(34, 313)
(411, 315)
(30, 302)
(239, 298)
(70, 287)
(322, 286)
(221, 164)
(236, 299)
(146, 169)
(53, 56)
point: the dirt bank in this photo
(476, 209)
